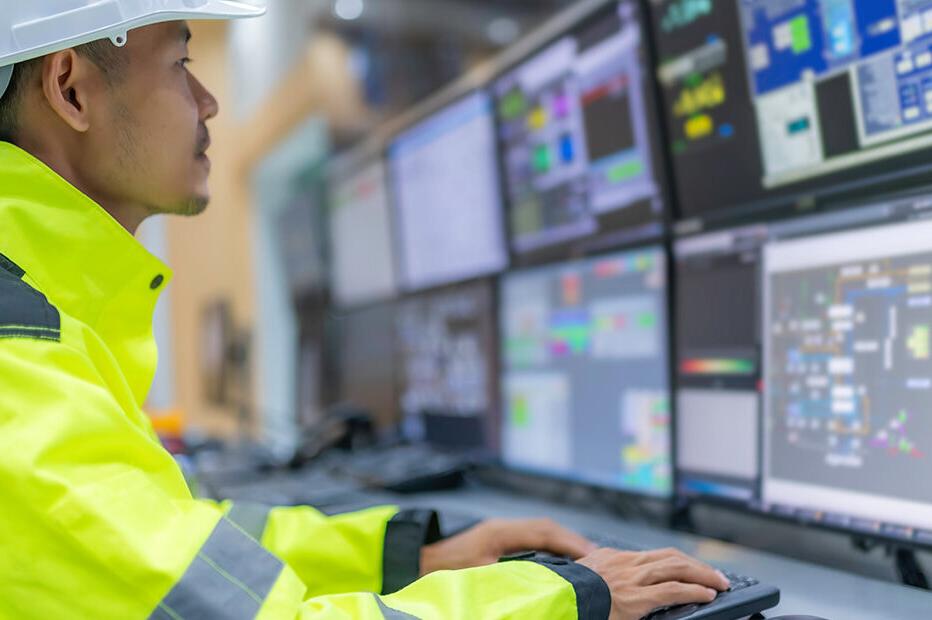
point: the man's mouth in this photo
(203, 142)
(204, 159)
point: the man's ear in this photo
(67, 83)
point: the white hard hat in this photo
(33, 28)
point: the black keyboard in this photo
(414, 468)
(746, 596)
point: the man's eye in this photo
(184, 62)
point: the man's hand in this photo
(490, 540)
(642, 582)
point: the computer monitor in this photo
(585, 377)
(315, 388)
(366, 353)
(847, 342)
(771, 104)
(446, 360)
(578, 136)
(301, 241)
(362, 256)
(709, 117)
(717, 354)
(447, 196)
(218, 340)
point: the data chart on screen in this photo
(448, 196)
(446, 347)
(848, 354)
(578, 136)
(585, 379)
(838, 83)
(362, 257)
(717, 352)
(774, 103)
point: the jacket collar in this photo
(82, 259)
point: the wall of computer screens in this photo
(675, 248)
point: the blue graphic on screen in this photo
(897, 94)
(841, 30)
(787, 39)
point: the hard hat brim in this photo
(218, 9)
(209, 9)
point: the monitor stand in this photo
(908, 568)
(681, 518)
(907, 565)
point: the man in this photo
(95, 517)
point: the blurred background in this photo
(296, 86)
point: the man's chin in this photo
(194, 206)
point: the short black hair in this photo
(108, 58)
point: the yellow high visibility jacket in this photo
(96, 520)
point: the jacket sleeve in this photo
(375, 550)
(97, 522)
(514, 590)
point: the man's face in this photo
(152, 120)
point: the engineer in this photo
(101, 126)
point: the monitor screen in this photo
(718, 363)
(301, 242)
(788, 102)
(847, 341)
(312, 391)
(448, 196)
(362, 260)
(578, 136)
(365, 348)
(709, 117)
(585, 377)
(446, 350)
(218, 340)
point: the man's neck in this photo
(129, 216)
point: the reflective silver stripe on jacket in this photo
(228, 580)
(393, 614)
(250, 517)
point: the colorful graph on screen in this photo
(718, 366)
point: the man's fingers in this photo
(562, 541)
(670, 554)
(656, 555)
(544, 535)
(665, 594)
(683, 569)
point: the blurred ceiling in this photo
(407, 49)
(473, 19)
